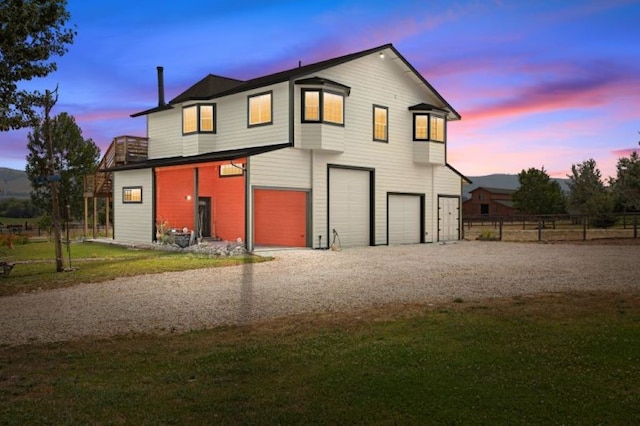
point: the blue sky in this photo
(538, 83)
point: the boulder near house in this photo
(352, 149)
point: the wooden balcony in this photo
(123, 150)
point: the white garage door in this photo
(404, 219)
(448, 218)
(349, 206)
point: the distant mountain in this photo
(14, 183)
(503, 181)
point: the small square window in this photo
(380, 123)
(132, 194)
(260, 109)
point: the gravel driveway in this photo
(300, 281)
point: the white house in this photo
(351, 149)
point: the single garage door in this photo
(405, 216)
(349, 206)
(280, 217)
(448, 218)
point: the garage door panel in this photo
(280, 217)
(405, 216)
(350, 206)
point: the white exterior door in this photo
(448, 218)
(349, 206)
(404, 219)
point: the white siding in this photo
(165, 133)
(381, 82)
(233, 131)
(133, 221)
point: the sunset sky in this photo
(538, 83)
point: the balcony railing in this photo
(123, 150)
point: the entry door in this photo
(448, 218)
(204, 216)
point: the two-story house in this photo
(354, 148)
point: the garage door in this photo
(404, 219)
(448, 218)
(349, 206)
(280, 217)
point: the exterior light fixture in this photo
(188, 197)
(381, 55)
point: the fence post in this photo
(584, 228)
(539, 229)
(635, 225)
(500, 235)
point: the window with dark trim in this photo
(429, 127)
(380, 123)
(199, 118)
(227, 170)
(131, 194)
(260, 109)
(322, 106)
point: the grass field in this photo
(550, 359)
(543, 359)
(94, 262)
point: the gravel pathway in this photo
(300, 281)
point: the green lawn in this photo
(558, 359)
(95, 262)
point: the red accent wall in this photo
(280, 217)
(173, 184)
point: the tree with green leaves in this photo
(626, 185)
(538, 194)
(31, 32)
(74, 157)
(588, 194)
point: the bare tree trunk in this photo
(55, 211)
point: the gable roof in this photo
(214, 86)
(495, 190)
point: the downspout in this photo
(196, 191)
(154, 197)
(248, 200)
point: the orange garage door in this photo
(280, 217)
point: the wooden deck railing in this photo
(123, 150)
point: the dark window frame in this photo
(131, 188)
(321, 118)
(236, 166)
(386, 136)
(198, 118)
(255, 95)
(428, 136)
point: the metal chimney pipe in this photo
(161, 86)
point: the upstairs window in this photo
(429, 127)
(311, 105)
(322, 106)
(380, 123)
(199, 118)
(260, 109)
